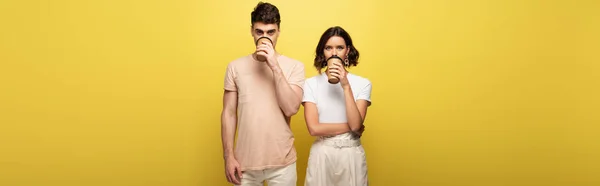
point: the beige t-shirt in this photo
(264, 137)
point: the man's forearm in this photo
(228, 127)
(288, 100)
(355, 120)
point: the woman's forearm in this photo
(355, 121)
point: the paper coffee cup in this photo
(331, 79)
(260, 41)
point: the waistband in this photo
(340, 143)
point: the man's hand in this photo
(267, 51)
(233, 171)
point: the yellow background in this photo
(466, 92)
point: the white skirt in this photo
(336, 162)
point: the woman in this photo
(334, 112)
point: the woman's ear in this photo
(348, 51)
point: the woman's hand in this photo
(337, 70)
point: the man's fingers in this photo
(239, 171)
(233, 177)
(265, 43)
(269, 44)
(261, 50)
(231, 174)
(262, 47)
(228, 177)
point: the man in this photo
(265, 87)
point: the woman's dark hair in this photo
(335, 31)
(266, 13)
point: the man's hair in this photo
(266, 13)
(353, 54)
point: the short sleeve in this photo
(365, 93)
(308, 95)
(230, 79)
(297, 76)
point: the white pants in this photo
(334, 162)
(284, 176)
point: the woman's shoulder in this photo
(358, 79)
(314, 79)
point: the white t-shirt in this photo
(329, 98)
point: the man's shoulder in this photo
(291, 61)
(239, 61)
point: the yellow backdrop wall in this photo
(128, 92)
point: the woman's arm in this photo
(356, 111)
(311, 115)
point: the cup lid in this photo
(263, 37)
(334, 57)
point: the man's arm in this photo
(228, 128)
(289, 96)
(228, 122)
(229, 125)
